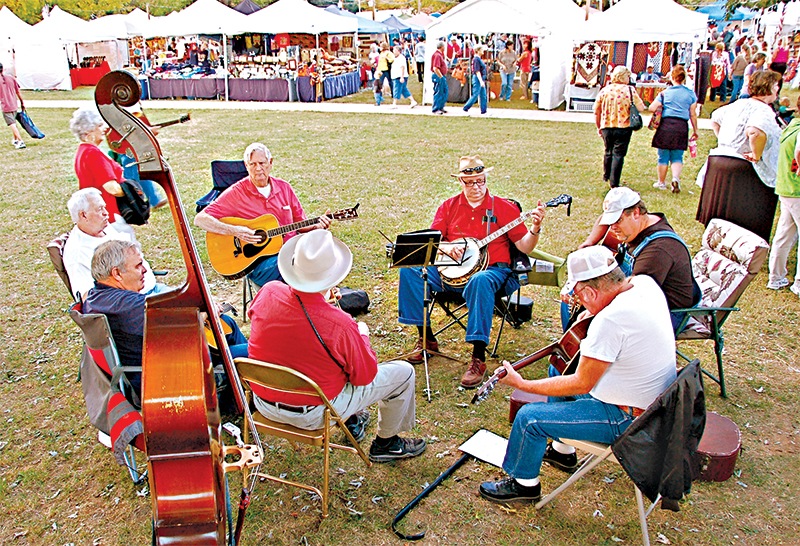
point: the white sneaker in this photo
(413, 103)
(778, 284)
(660, 185)
(795, 288)
(18, 144)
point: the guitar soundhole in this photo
(253, 250)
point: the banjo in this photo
(476, 257)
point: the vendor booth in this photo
(622, 36)
(550, 22)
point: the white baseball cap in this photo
(617, 200)
(588, 263)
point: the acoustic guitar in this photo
(233, 259)
(226, 329)
(564, 356)
(476, 257)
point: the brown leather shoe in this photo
(416, 358)
(475, 374)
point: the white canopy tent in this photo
(642, 21)
(771, 20)
(10, 27)
(36, 57)
(201, 17)
(298, 16)
(549, 20)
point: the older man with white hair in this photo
(88, 211)
(336, 352)
(253, 196)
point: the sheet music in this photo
(486, 446)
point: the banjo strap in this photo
(490, 218)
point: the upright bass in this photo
(180, 411)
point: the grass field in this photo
(59, 486)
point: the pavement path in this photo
(348, 108)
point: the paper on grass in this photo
(486, 446)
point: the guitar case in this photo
(520, 398)
(718, 450)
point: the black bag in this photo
(353, 302)
(134, 206)
(636, 117)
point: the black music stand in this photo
(419, 249)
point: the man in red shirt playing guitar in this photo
(473, 213)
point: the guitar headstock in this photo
(486, 389)
(346, 214)
(562, 199)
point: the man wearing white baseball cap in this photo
(653, 247)
(294, 326)
(627, 360)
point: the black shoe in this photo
(357, 424)
(566, 463)
(399, 448)
(508, 490)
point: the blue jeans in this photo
(738, 81)
(378, 98)
(477, 92)
(579, 418)
(665, 157)
(386, 76)
(440, 91)
(478, 292)
(400, 89)
(236, 340)
(507, 87)
(265, 271)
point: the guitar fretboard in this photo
(283, 230)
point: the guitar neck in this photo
(283, 230)
(503, 230)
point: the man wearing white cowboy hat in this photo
(471, 213)
(294, 326)
(627, 360)
(653, 246)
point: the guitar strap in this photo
(319, 337)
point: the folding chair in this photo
(288, 381)
(676, 418)
(55, 249)
(111, 403)
(224, 174)
(730, 258)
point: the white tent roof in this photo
(134, 22)
(420, 19)
(643, 21)
(201, 17)
(301, 17)
(11, 24)
(534, 17)
(70, 28)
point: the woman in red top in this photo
(94, 168)
(524, 63)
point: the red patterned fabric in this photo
(126, 424)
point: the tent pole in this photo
(225, 63)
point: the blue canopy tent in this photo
(718, 12)
(365, 26)
(401, 26)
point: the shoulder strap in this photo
(319, 337)
(658, 235)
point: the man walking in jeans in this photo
(439, 76)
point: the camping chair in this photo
(111, 403)
(728, 261)
(286, 380)
(676, 418)
(55, 249)
(224, 174)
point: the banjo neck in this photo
(505, 229)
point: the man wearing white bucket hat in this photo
(627, 361)
(294, 326)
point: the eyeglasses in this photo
(471, 170)
(474, 183)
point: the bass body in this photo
(232, 258)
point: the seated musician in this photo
(253, 196)
(471, 213)
(665, 258)
(649, 76)
(88, 211)
(627, 360)
(119, 273)
(336, 352)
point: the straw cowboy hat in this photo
(471, 164)
(314, 261)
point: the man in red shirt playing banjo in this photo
(475, 214)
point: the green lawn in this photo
(59, 486)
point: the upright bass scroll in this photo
(180, 412)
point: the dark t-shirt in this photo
(125, 312)
(668, 262)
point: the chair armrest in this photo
(703, 310)
(160, 273)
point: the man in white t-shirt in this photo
(88, 211)
(627, 360)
